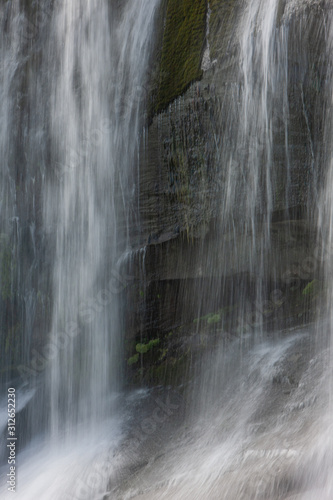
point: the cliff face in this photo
(195, 239)
(181, 172)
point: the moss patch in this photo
(133, 360)
(183, 45)
(312, 289)
(143, 348)
(215, 317)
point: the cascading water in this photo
(259, 425)
(82, 68)
(259, 420)
(89, 208)
(316, 475)
(20, 175)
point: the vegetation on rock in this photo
(183, 45)
(142, 349)
(312, 288)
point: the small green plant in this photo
(134, 359)
(311, 289)
(164, 352)
(143, 348)
(211, 318)
(215, 318)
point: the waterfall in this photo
(252, 417)
(316, 475)
(72, 110)
(19, 177)
(259, 421)
(247, 171)
(96, 105)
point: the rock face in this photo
(25, 257)
(181, 172)
(194, 237)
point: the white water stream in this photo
(84, 71)
(259, 425)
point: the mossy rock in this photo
(182, 49)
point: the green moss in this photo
(143, 348)
(215, 318)
(311, 289)
(134, 359)
(154, 342)
(211, 318)
(183, 45)
(163, 354)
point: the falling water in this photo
(96, 89)
(259, 424)
(81, 70)
(19, 175)
(260, 420)
(316, 476)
